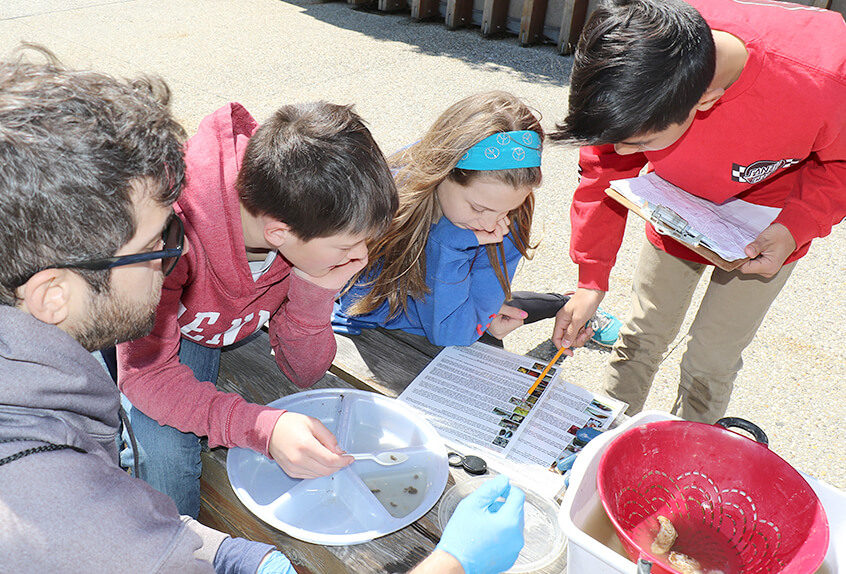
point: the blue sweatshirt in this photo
(464, 291)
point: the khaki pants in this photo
(728, 317)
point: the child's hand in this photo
(304, 448)
(507, 319)
(337, 276)
(570, 322)
(769, 251)
(495, 236)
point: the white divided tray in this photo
(360, 502)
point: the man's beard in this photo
(112, 319)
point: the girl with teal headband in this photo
(445, 265)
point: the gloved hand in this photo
(275, 563)
(484, 535)
(342, 324)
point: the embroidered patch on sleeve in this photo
(759, 170)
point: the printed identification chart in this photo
(476, 397)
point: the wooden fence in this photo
(533, 21)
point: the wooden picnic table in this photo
(380, 361)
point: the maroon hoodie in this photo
(212, 299)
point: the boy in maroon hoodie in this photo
(277, 217)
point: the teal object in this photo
(606, 328)
(504, 150)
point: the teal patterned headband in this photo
(505, 150)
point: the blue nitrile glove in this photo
(342, 324)
(275, 563)
(483, 535)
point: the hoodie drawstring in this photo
(49, 446)
(128, 426)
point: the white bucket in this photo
(593, 546)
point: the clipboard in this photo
(670, 224)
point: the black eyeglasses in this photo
(173, 239)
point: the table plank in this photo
(382, 361)
(416, 342)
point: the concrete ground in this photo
(401, 75)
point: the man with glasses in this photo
(171, 243)
(89, 170)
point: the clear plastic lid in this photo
(360, 502)
(544, 537)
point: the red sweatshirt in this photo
(211, 298)
(777, 137)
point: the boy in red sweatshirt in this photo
(723, 98)
(276, 217)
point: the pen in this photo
(546, 369)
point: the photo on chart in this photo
(510, 424)
(598, 405)
(594, 423)
(596, 413)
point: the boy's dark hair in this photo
(640, 66)
(72, 146)
(316, 168)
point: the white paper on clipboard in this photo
(726, 229)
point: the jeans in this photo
(169, 459)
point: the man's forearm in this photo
(439, 562)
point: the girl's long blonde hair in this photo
(399, 256)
